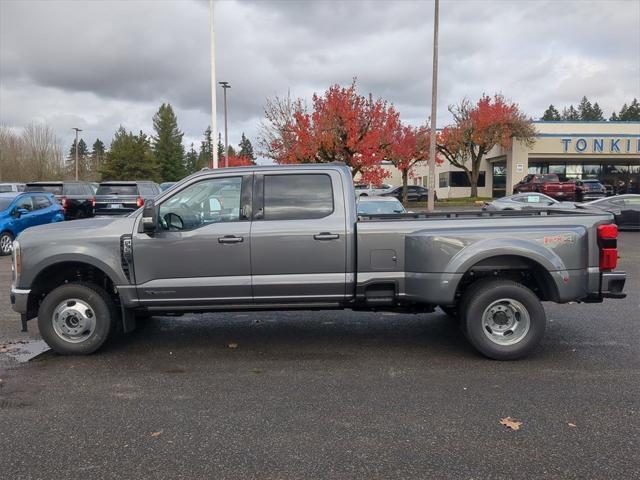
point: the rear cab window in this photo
(74, 189)
(55, 188)
(117, 189)
(297, 196)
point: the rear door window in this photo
(297, 196)
(40, 202)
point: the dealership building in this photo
(608, 151)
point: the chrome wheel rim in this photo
(506, 321)
(74, 320)
(6, 243)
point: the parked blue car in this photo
(22, 210)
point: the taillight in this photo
(93, 202)
(64, 201)
(608, 243)
(140, 202)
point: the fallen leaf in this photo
(233, 345)
(156, 434)
(3, 350)
(511, 423)
(571, 424)
(256, 370)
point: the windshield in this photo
(4, 203)
(379, 207)
(5, 188)
(112, 189)
(55, 188)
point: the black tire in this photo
(6, 239)
(103, 311)
(485, 293)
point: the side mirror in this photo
(149, 216)
(18, 212)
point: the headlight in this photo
(16, 264)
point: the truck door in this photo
(298, 237)
(200, 254)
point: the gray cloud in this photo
(101, 63)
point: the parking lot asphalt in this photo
(330, 395)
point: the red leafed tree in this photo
(478, 128)
(409, 147)
(341, 126)
(240, 161)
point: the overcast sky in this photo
(101, 63)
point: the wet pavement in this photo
(327, 395)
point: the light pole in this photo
(434, 104)
(225, 85)
(77, 130)
(214, 126)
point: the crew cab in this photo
(547, 183)
(289, 237)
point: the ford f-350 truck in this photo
(288, 237)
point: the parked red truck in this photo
(547, 183)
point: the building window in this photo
(443, 180)
(460, 179)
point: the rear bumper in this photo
(19, 299)
(612, 284)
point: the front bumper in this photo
(19, 300)
(612, 284)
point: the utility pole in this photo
(77, 130)
(214, 127)
(434, 105)
(225, 85)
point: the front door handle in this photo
(326, 236)
(230, 239)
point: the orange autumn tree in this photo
(478, 128)
(342, 126)
(240, 161)
(409, 147)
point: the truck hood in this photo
(76, 231)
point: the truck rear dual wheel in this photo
(502, 319)
(77, 318)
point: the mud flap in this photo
(128, 321)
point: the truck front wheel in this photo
(503, 320)
(76, 318)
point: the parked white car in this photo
(369, 190)
(11, 187)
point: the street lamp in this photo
(77, 130)
(434, 103)
(225, 85)
(214, 126)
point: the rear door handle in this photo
(230, 239)
(326, 236)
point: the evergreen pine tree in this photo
(551, 114)
(191, 161)
(167, 144)
(83, 160)
(130, 158)
(246, 149)
(596, 113)
(613, 117)
(630, 113)
(585, 109)
(206, 150)
(570, 114)
(232, 151)
(96, 159)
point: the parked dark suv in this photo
(76, 198)
(415, 193)
(121, 197)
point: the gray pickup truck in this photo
(288, 237)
